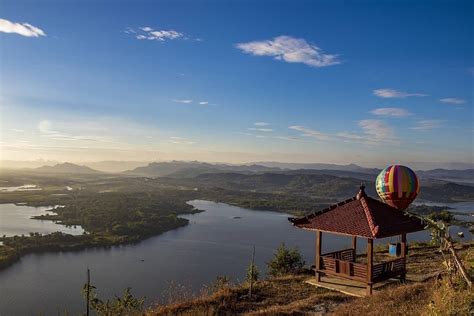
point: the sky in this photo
(368, 82)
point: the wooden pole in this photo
(458, 262)
(319, 237)
(370, 258)
(88, 291)
(354, 247)
(403, 253)
(251, 272)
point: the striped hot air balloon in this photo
(397, 186)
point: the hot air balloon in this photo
(397, 186)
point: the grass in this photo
(290, 295)
(282, 294)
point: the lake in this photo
(218, 241)
(16, 220)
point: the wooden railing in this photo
(388, 269)
(341, 263)
(346, 254)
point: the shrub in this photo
(222, 282)
(285, 261)
(125, 305)
(252, 273)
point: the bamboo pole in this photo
(443, 235)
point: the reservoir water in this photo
(16, 220)
(218, 241)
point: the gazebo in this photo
(360, 216)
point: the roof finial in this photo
(361, 192)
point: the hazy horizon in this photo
(120, 165)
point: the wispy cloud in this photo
(23, 29)
(452, 101)
(374, 132)
(184, 101)
(180, 141)
(291, 50)
(426, 125)
(261, 124)
(308, 132)
(46, 130)
(395, 112)
(151, 34)
(257, 129)
(377, 130)
(203, 102)
(392, 93)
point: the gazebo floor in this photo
(348, 287)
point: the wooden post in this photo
(319, 237)
(404, 255)
(354, 247)
(370, 258)
(251, 272)
(88, 290)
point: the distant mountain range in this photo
(317, 166)
(190, 169)
(183, 169)
(67, 168)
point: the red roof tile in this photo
(360, 216)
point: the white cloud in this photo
(148, 33)
(426, 125)
(203, 102)
(164, 35)
(374, 132)
(184, 101)
(308, 132)
(396, 112)
(377, 130)
(452, 101)
(260, 129)
(289, 49)
(179, 141)
(23, 29)
(261, 124)
(392, 93)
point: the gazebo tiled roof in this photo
(360, 216)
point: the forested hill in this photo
(317, 185)
(179, 169)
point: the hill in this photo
(183, 169)
(67, 168)
(316, 185)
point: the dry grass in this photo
(396, 300)
(451, 298)
(291, 296)
(284, 296)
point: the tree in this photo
(285, 261)
(125, 305)
(252, 273)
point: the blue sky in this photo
(371, 82)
